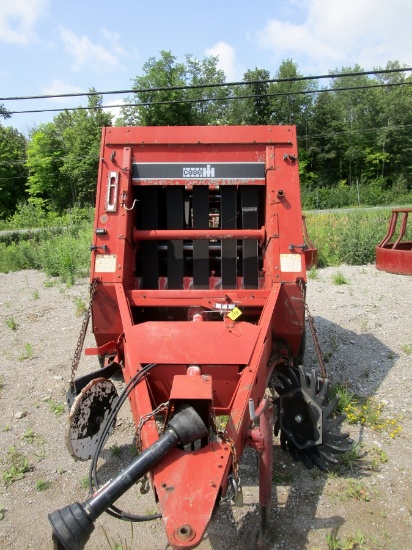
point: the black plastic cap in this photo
(72, 527)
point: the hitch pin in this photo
(255, 413)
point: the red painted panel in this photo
(195, 343)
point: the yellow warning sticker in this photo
(234, 314)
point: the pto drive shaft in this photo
(73, 525)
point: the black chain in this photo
(82, 335)
(314, 333)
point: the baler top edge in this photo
(199, 135)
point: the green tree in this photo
(46, 186)
(4, 112)
(63, 157)
(250, 103)
(394, 123)
(342, 127)
(293, 99)
(212, 102)
(81, 132)
(13, 173)
(159, 103)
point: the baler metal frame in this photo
(199, 258)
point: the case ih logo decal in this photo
(198, 172)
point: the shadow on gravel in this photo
(360, 361)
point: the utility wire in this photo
(215, 85)
(208, 99)
(299, 138)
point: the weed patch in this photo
(56, 408)
(42, 485)
(84, 482)
(81, 306)
(352, 489)
(27, 353)
(365, 411)
(351, 542)
(339, 279)
(11, 323)
(351, 458)
(281, 478)
(17, 466)
(313, 273)
(407, 349)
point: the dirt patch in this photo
(365, 333)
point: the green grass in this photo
(365, 411)
(29, 436)
(65, 255)
(351, 542)
(350, 458)
(281, 478)
(346, 397)
(81, 306)
(352, 489)
(42, 485)
(407, 349)
(115, 450)
(62, 247)
(11, 323)
(348, 237)
(377, 457)
(56, 408)
(84, 482)
(313, 273)
(339, 278)
(27, 353)
(17, 465)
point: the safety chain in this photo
(235, 493)
(313, 332)
(231, 444)
(82, 335)
(143, 419)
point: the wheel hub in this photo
(301, 419)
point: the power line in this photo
(208, 99)
(214, 85)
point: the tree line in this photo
(354, 133)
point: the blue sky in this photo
(59, 46)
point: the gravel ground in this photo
(365, 334)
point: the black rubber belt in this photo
(228, 213)
(175, 219)
(200, 247)
(249, 202)
(150, 254)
